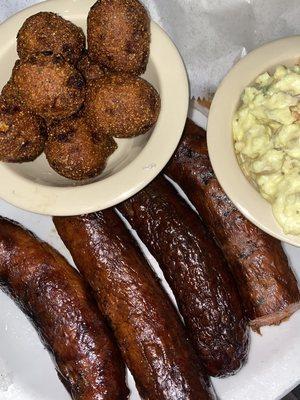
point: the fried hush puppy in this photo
(119, 35)
(22, 135)
(49, 86)
(74, 151)
(121, 105)
(89, 69)
(49, 32)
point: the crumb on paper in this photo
(204, 102)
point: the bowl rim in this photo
(243, 195)
(174, 91)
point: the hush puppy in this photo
(48, 86)
(119, 35)
(73, 150)
(22, 135)
(121, 105)
(49, 32)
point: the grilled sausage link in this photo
(196, 270)
(148, 330)
(266, 283)
(54, 296)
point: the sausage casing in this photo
(54, 296)
(197, 272)
(266, 283)
(149, 332)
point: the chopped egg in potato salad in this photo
(266, 133)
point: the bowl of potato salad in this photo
(254, 137)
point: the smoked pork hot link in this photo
(149, 332)
(54, 296)
(197, 272)
(259, 265)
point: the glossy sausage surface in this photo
(149, 332)
(196, 271)
(54, 296)
(265, 280)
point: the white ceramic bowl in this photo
(220, 142)
(36, 187)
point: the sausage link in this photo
(266, 283)
(54, 296)
(196, 271)
(149, 332)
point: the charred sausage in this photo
(149, 332)
(54, 296)
(196, 271)
(266, 283)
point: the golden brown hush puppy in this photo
(74, 151)
(49, 32)
(22, 135)
(121, 105)
(119, 35)
(49, 86)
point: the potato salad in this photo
(266, 133)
